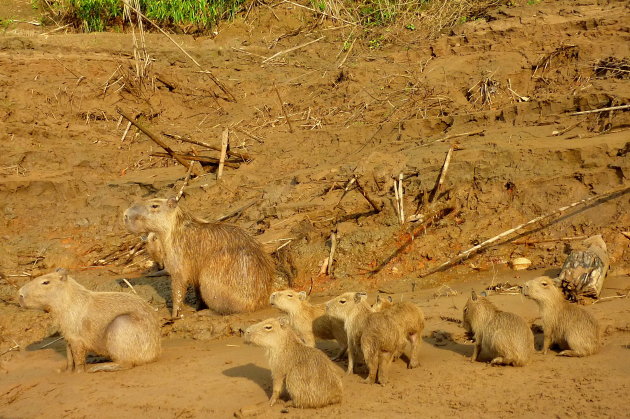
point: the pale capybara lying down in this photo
(310, 378)
(227, 267)
(116, 325)
(567, 325)
(504, 337)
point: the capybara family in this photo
(310, 321)
(309, 376)
(567, 325)
(505, 337)
(225, 264)
(116, 325)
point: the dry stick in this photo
(202, 159)
(333, 247)
(396, 196)
(277, 54)
(440, 179)
(347, 54)
(559, 239)
(156, 139)
(345, 190)
(400, 196)
(610, 108)
(239, 155)
(322, 13)
(376, 207)
(203, 70)
(480, 246)
(181, 190)
(16, 347)
(448, 137)
(129, 285)
(283, 110)
(224, 146)
(238, 210)
(122, 139)
(51, 342)
(252, 136)
(569, 128)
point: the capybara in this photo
(382, 340)
(225, 264)
(409, 318)
(116, 325)
(310, 321)
(353, 310)
(572, 328)
(505, 337)
(309, 376)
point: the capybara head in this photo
(42, 292)
(541, 289)
(151, 215)
(287, 300)
(382, 302)
(340, 307)
(469, 309)
(268, 333)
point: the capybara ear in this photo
(360, 296)
(557, 282)
(63, 273)
(172, 202)
(389, 297)
(473, 295)
(284, 322)
(302, 295)
(378, 298)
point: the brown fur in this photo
(504, 336)
(382, 340)
(116, 325)
(409, 318)
(227, 267)
(310, 377)
(155, 249)
(310, 321)
(353, 310)
(572, 328)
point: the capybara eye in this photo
(155, 206)
(342, 301)
(268, 327)
(544, 284)
(45, 282)
(290, 295)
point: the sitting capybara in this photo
(572, 328)
(115, 325)
(409, 318)
(353, 310)
(310, 321)
(309, 376)
(225, 264)
(504, 336)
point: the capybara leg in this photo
(69, 358)
(371, 359)
(278, 382)
(178, 293)
(342, 352)
(107, 367)
(570, 352)
(350, 358)
(476, 351)
(414, 339)
(385, 361)
(546, 344)
(200, 303)
(78, 354)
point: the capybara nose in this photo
(21, 300)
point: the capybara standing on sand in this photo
(224, 263)
(116, 325)
(353, 310)
(409, 318)
(309, 376)
(382, 340)
(572, 328)
(310, 321)
(505, 337)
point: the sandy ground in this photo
(393, 103)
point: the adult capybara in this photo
(572, 328)
(226, 265)
(310, 377)
(505, 337)
(115, 325)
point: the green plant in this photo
(410, 26)
(376, 42)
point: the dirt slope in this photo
(392, 103)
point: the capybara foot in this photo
(498, 361)
(413, 364)
(570, 352)
(369, 380)
(107, 367)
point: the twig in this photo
(345, 190)
(55, 30)
(448, 137)
(156, 139)
(13, 348)
(398, 193)
(181, 190)
(203, 159)
(130, 286)
(50, 343)
(283, 110)
(333, 247)
(126, 131)
(239, 155)
(463, 255)
(376, 207)
(224, 145)
(252, 136)
(277, 54)
(237, 211)
(212, 77)
(322, 13)
(559, 239)
(610, 108)
(569, 128)
(440, 179)
(347, 54)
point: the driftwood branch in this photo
(230, 153)
(465, 254)
(157, 140)
(224, 146)
(442, 176)
(559, 239)
(610, 108)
